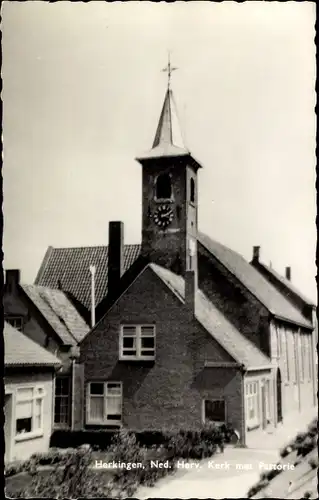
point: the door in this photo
(279, 397)
(8, 426)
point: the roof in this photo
(253, 280)
(225, 333)
(70, 267)
(59, 312)
(19, 350)
(286, 283)
(168, 139)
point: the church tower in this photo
(170, 194)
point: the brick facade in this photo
(167, 393)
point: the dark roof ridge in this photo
(287, 283)
(301, 321)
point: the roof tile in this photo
(224, 332)
(264, 291)
(71, 266)
(20, 350)
(59, 313)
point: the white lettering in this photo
(160, 465)
(223, 466)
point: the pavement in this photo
(232, 473)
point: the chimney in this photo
(288, 273)
(12, 280)
(190, 291)
(256, 254)
(115, 255)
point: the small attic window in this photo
(192, 190)
(163, 187)
(15, 321)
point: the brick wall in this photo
(234, 300)
(168, 393)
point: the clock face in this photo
(163, 216)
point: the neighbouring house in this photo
(285, 286)
(48, 317)
(29, 375)
(187, 330)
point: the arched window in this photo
(192, 190)
(163, 186)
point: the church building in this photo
(187, 332)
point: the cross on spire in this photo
(169, 69)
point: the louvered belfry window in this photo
(137, 342)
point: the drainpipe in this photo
(72, 395)
(243, 429)
(92, 271)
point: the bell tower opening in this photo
(192, 190)
(163, 187)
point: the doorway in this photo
(279, 396)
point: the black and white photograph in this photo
(159, 205)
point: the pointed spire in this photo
(168, 131)
(168, 140)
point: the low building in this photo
(49, 318)
(29, 395)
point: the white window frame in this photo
(104, 420)
(252, 402)
(138, 335)
(217, 423)
(62, 398)
(38, 393)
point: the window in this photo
(294, 358)
(286, 356)
(163, 187)
(15, 321)
(252, 405)
(104, 404)
(214, 411)
(275, 343)
(192, 190)
(190, 262)
(278, 342)
(62, 401)
(302, 356)
(29, 412)
(137, 342)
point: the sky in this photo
(82, 93)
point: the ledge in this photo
(29, 435)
